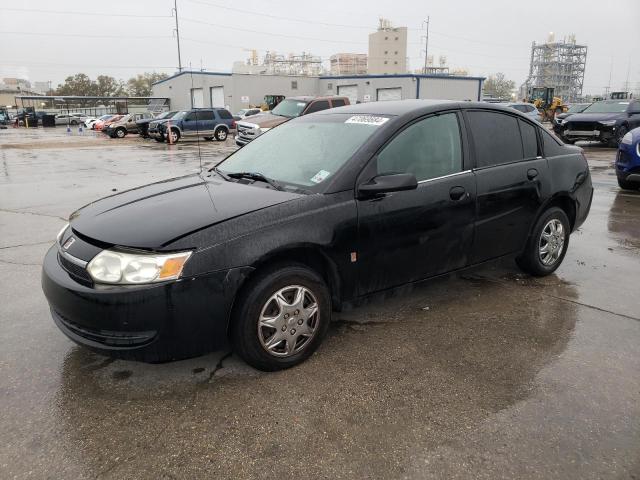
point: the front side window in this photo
(429, 148)
(496, 137)
(303, 153)
(318, 106)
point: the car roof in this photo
(308, 98)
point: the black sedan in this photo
(316, 214)
(606, 121)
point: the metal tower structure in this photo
(559, 65)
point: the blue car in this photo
(208, 123)
(628, 160)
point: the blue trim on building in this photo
(401, 75)
(223, 74)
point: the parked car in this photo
(153, 130)
(143, 124)
(70, 119)
(573, 109)
(246, 112)
(126, 124)
(319, 212)
(91, 121)
(607, 121)
(101, 124)
(527, 108)
(292, 107)
(628, 161)
(208, 123)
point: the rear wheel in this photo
(281, 317)
(221, 134)
(627, 185)
(547, 245)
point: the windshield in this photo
(179, 115)
(165, 115)
(577, 108)
(289, 108)
(607, 107)
(242, 112)
(105, 117)
(303, 153)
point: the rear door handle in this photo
(457, 193)
(532, 173)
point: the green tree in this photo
(78, 84)
(140, 85)
(498, 86)
(106, 86)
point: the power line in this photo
(92, 14)
(82, 35)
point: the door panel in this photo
(408, 236)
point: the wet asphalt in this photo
(486, 374)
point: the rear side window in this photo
(529, 139)
(551, 146)
(317, 106)
(224, 114)
(496, 137)
(338, 102)
(429, 148)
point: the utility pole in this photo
(426, 45)
(177, 30)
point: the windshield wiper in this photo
(256, 177)
(219, 172)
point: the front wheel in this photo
(281, 317)
(221, 134)
(547, 245)
(175, 136)
(120, 132)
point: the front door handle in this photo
(457, 193)
(532, 173)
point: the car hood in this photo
(265, 120)
(594, 117)
(153, 216)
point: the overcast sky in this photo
(125, 37)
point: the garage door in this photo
(197, 99)
(349, 91)
(389, 94)
(217, 97)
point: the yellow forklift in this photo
(544, 100)
(270, 102)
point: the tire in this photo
(73, 122)
(251, 341)
(626, 185)
(221, 134)
(622, 131)
(120, 132)
(532, 260)
(175, 135)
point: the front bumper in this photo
(151, 323)
(628, 162)
(598, 132)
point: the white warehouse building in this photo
(236, 91)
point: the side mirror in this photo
(393, 182)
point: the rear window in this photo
(496, 137)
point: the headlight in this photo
(608, 123)
(627, 139)
(61, 232)
(262, 130)
(117, 267)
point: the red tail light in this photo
(233, 124)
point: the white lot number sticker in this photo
(320, 176)
(367, 120)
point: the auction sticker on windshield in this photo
(320, 176)
(366, 120)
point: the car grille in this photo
(582, 126)
(107, 337)
(78, 272)
(247, 132)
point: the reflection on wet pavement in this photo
(487, 374)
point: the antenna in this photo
(197, 120)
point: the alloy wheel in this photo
(288, 321)
(551, 242)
